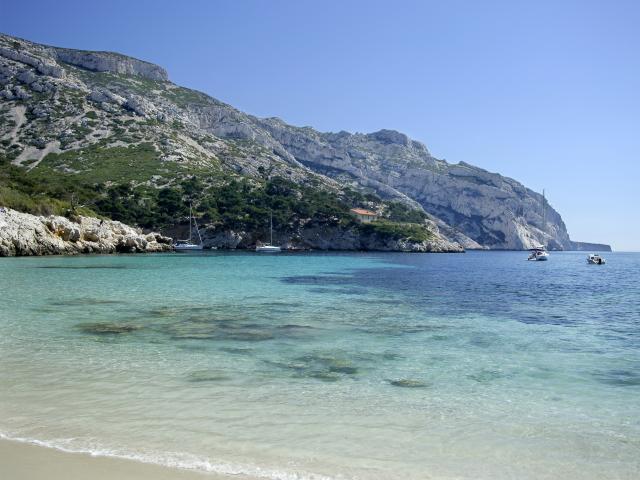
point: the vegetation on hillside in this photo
(110, 183)
(384, 228)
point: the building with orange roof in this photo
(364, 216)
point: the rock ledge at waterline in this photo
(26, 234)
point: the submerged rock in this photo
(237, 351)
(247, 335)
(81, 302)
(325, 376)
(619, 378)
(319, 366)
(83, 267)
(485, 375)
(408, 383)
(207, 376)
(222, 329)
(342, 367)
(107, 328)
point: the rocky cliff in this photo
(100, 117)
(109, 62)
(324, 237)
(25, 234)
(486, 208)
(591, 247)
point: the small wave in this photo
(183, 461)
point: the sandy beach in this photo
(22, 461)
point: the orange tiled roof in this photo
(362, 211)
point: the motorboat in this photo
(595, 259)
(188, 245)
(269, 247)
(539, 254)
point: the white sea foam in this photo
(183, 461)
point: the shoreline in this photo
(22, 460)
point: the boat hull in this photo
(268, 249)
(596, 261)
(539, 257)
(186, 248)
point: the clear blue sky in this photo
(547, 92)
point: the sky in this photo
(546, 92)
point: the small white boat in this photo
(188, 245)
(539, 254)
(269, 247)
(182, 245)
(595, 259)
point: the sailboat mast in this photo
(271, 228)
(190, 222)
(195, 223)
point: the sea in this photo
(328, 365)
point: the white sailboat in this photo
(539, 253)
(187, 245)
(269, 247)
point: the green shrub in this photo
(386, 229)
(399, 212)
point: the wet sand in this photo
(22, 461)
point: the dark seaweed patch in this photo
(485, 376)
(324, 376)
(106, 328)
(482, 340)
(408, 383)
(237, 351)
(84, 301)
(339, 291)
(324, 367)
(84, 267)
(398, 329)
(619, 378)
(207, 376)
(317, 280)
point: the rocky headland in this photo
(25, 234)
(115, 127)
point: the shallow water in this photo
(376, 366)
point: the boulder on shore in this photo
(25, 234)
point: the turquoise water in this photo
(368, 366)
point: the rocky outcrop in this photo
(110, 62)
(42, 66)
(25, 234)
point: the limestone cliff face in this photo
(110, 62)
(491, 210)
(61, 101)
(25, 234)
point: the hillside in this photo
(112, 133)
